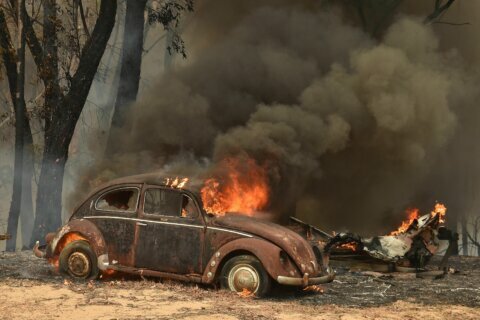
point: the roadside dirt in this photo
(30, 289)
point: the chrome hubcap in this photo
(79, 264)
(243, 276)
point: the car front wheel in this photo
(245, 273)
(79, 261)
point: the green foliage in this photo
(169, 15)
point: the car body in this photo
(140, 225)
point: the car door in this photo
(115, 213)
(170, 232)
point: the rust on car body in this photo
(140, 225)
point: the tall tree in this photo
(131, 60)
(474, 235)
(14, 61)
(168, 14)
(63, 104)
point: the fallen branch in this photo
(4, 236)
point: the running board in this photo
(151, 273)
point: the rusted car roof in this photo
(156, 178)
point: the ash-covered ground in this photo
(31, 289)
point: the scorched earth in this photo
(30, 289)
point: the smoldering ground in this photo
(350, 128)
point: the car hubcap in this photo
(243, 277)
(79, 264)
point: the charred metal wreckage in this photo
(142, 225)
(406, 251)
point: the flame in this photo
(108, 273)
(176, 182)
(69, 237)
(441, 210)
(413, 214)
(349, 246)
(245, 293)
(54, 262)
(241, 187)
(314, 289)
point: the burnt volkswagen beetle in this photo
(140, 225)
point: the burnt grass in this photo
(349, 289)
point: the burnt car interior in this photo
(119, 200)
(169, 202)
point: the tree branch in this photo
(439, 9)
(452, 23)
(8, 55)
(82, 17)
(476, 243)
(90, 58)
(34, 44)
(9, 59)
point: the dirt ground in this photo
(30, 289)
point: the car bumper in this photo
(306, 280)
(40, 251)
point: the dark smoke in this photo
(352, 130)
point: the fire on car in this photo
(156, 226)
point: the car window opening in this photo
(171, 203)
(162, 202)
(118, 200)
(189, 210)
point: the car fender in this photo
(86, 229)
(268, 253)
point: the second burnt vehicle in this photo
(141, 225)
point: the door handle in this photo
(141, 224)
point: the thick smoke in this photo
(350, 129)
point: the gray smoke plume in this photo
(350, 129)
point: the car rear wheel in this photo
(79, 261)
(245, 273)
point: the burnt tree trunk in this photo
(51, 176)
(20, 119)
(131, 63)
(463, 224)
(452, 224)
(9, 59)
(65, 112)
(49, 194)
(26, 210)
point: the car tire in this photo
(245, 272)
(79, 261)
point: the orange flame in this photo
(245, 293)
(108, 273)
(352, 246)
(314, 289)
(241, 187)
(176, 182)
(413, 214)
(69, 237)
(441, 210)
